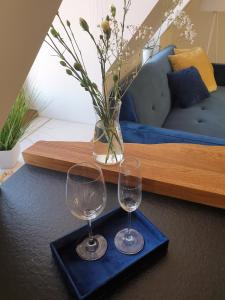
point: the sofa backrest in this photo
(150, 90)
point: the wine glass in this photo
(129, 240)
(86, 199)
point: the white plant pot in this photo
(8, 159)
(149, 52)
(146, 53)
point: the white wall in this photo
(64, 97)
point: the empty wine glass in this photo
(86, 199)
(129, 240)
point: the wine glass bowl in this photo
(86, 199)
(129, 197)
(129, 240)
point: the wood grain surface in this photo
(189, 172)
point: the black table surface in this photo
(33, 213)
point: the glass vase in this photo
(108, 142)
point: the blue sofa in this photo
(149, 117)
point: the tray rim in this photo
(65, 272)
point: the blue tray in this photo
(94, 279)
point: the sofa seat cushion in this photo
(206, 118)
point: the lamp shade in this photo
(213, 5)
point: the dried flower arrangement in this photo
(111, 46)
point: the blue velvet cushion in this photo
(187, 87)
(127, 111)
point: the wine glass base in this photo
(87, 252)
(129, 244)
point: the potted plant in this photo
(12, 131)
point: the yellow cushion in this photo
(182, 50)
(199, 59)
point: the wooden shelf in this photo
(190, 172)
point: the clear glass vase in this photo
(108, 142)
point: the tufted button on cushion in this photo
(203, 108)
(153, 107)
(200, 121)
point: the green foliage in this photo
(16, 123)
(109, 45)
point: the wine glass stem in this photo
(91, 238)
(129, 222)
